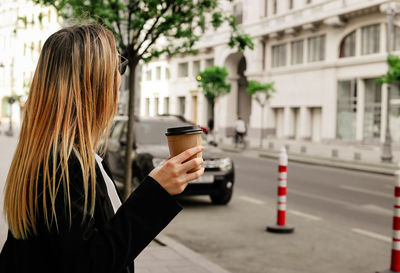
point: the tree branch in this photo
(149, 32)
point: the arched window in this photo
(348, 46)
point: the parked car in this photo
(151, 148)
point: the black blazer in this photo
(104, 243)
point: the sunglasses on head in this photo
(123, 62)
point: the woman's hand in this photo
(173, 174)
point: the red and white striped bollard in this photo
(395, 259)
(281, 226)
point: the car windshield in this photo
(152, 132)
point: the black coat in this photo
(105, 243)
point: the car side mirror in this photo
(123, 142)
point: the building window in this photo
(210, 62)
(396, 38)
(278, 55)
(196, 68)
(297, 50)
(156, 104)
(158, 73)
(147, 107)
(316, 48)
(346, 110)
(348, 46)
(148, 75)
(266, 8)
(167, 74)
(183, 70)
(308, 1)
(264, 47)
(370, 39)
(238, 12)
(275, 7)
(166, 105)
(290, 4)
(372, 110)
(181, 104)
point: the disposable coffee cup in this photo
(182, 138)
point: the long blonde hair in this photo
(71, 103)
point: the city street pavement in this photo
(163, 255)
(365, 158)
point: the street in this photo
(342, 221)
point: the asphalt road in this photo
(342, 221)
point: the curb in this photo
(349, 165)
(191, 255)
(385, 169)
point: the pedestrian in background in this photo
(62, 208)
(240, 128)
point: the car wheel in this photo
(223, 197)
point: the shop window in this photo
(181, 105)
(166, 105)
(147, 107)
(372, 110)
(348, 46)
(156, 104)
(370, 39)
(346, 110)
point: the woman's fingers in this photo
(188, 154)
(194, 175)
(192, 164)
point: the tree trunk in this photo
(130, 135)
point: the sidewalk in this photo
(353, 157)
(163, 255)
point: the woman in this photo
(59, 200)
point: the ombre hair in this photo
(71, 104)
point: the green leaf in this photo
(255, 86)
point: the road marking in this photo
(377, 209)
(366, 191)
(321, 198)
(251, 200)
(372, 235)
(305, 215)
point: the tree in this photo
(393, 74)
(146, 29)
(263, 92)
(212, 80)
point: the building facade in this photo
(24, 27)
(324, 57)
